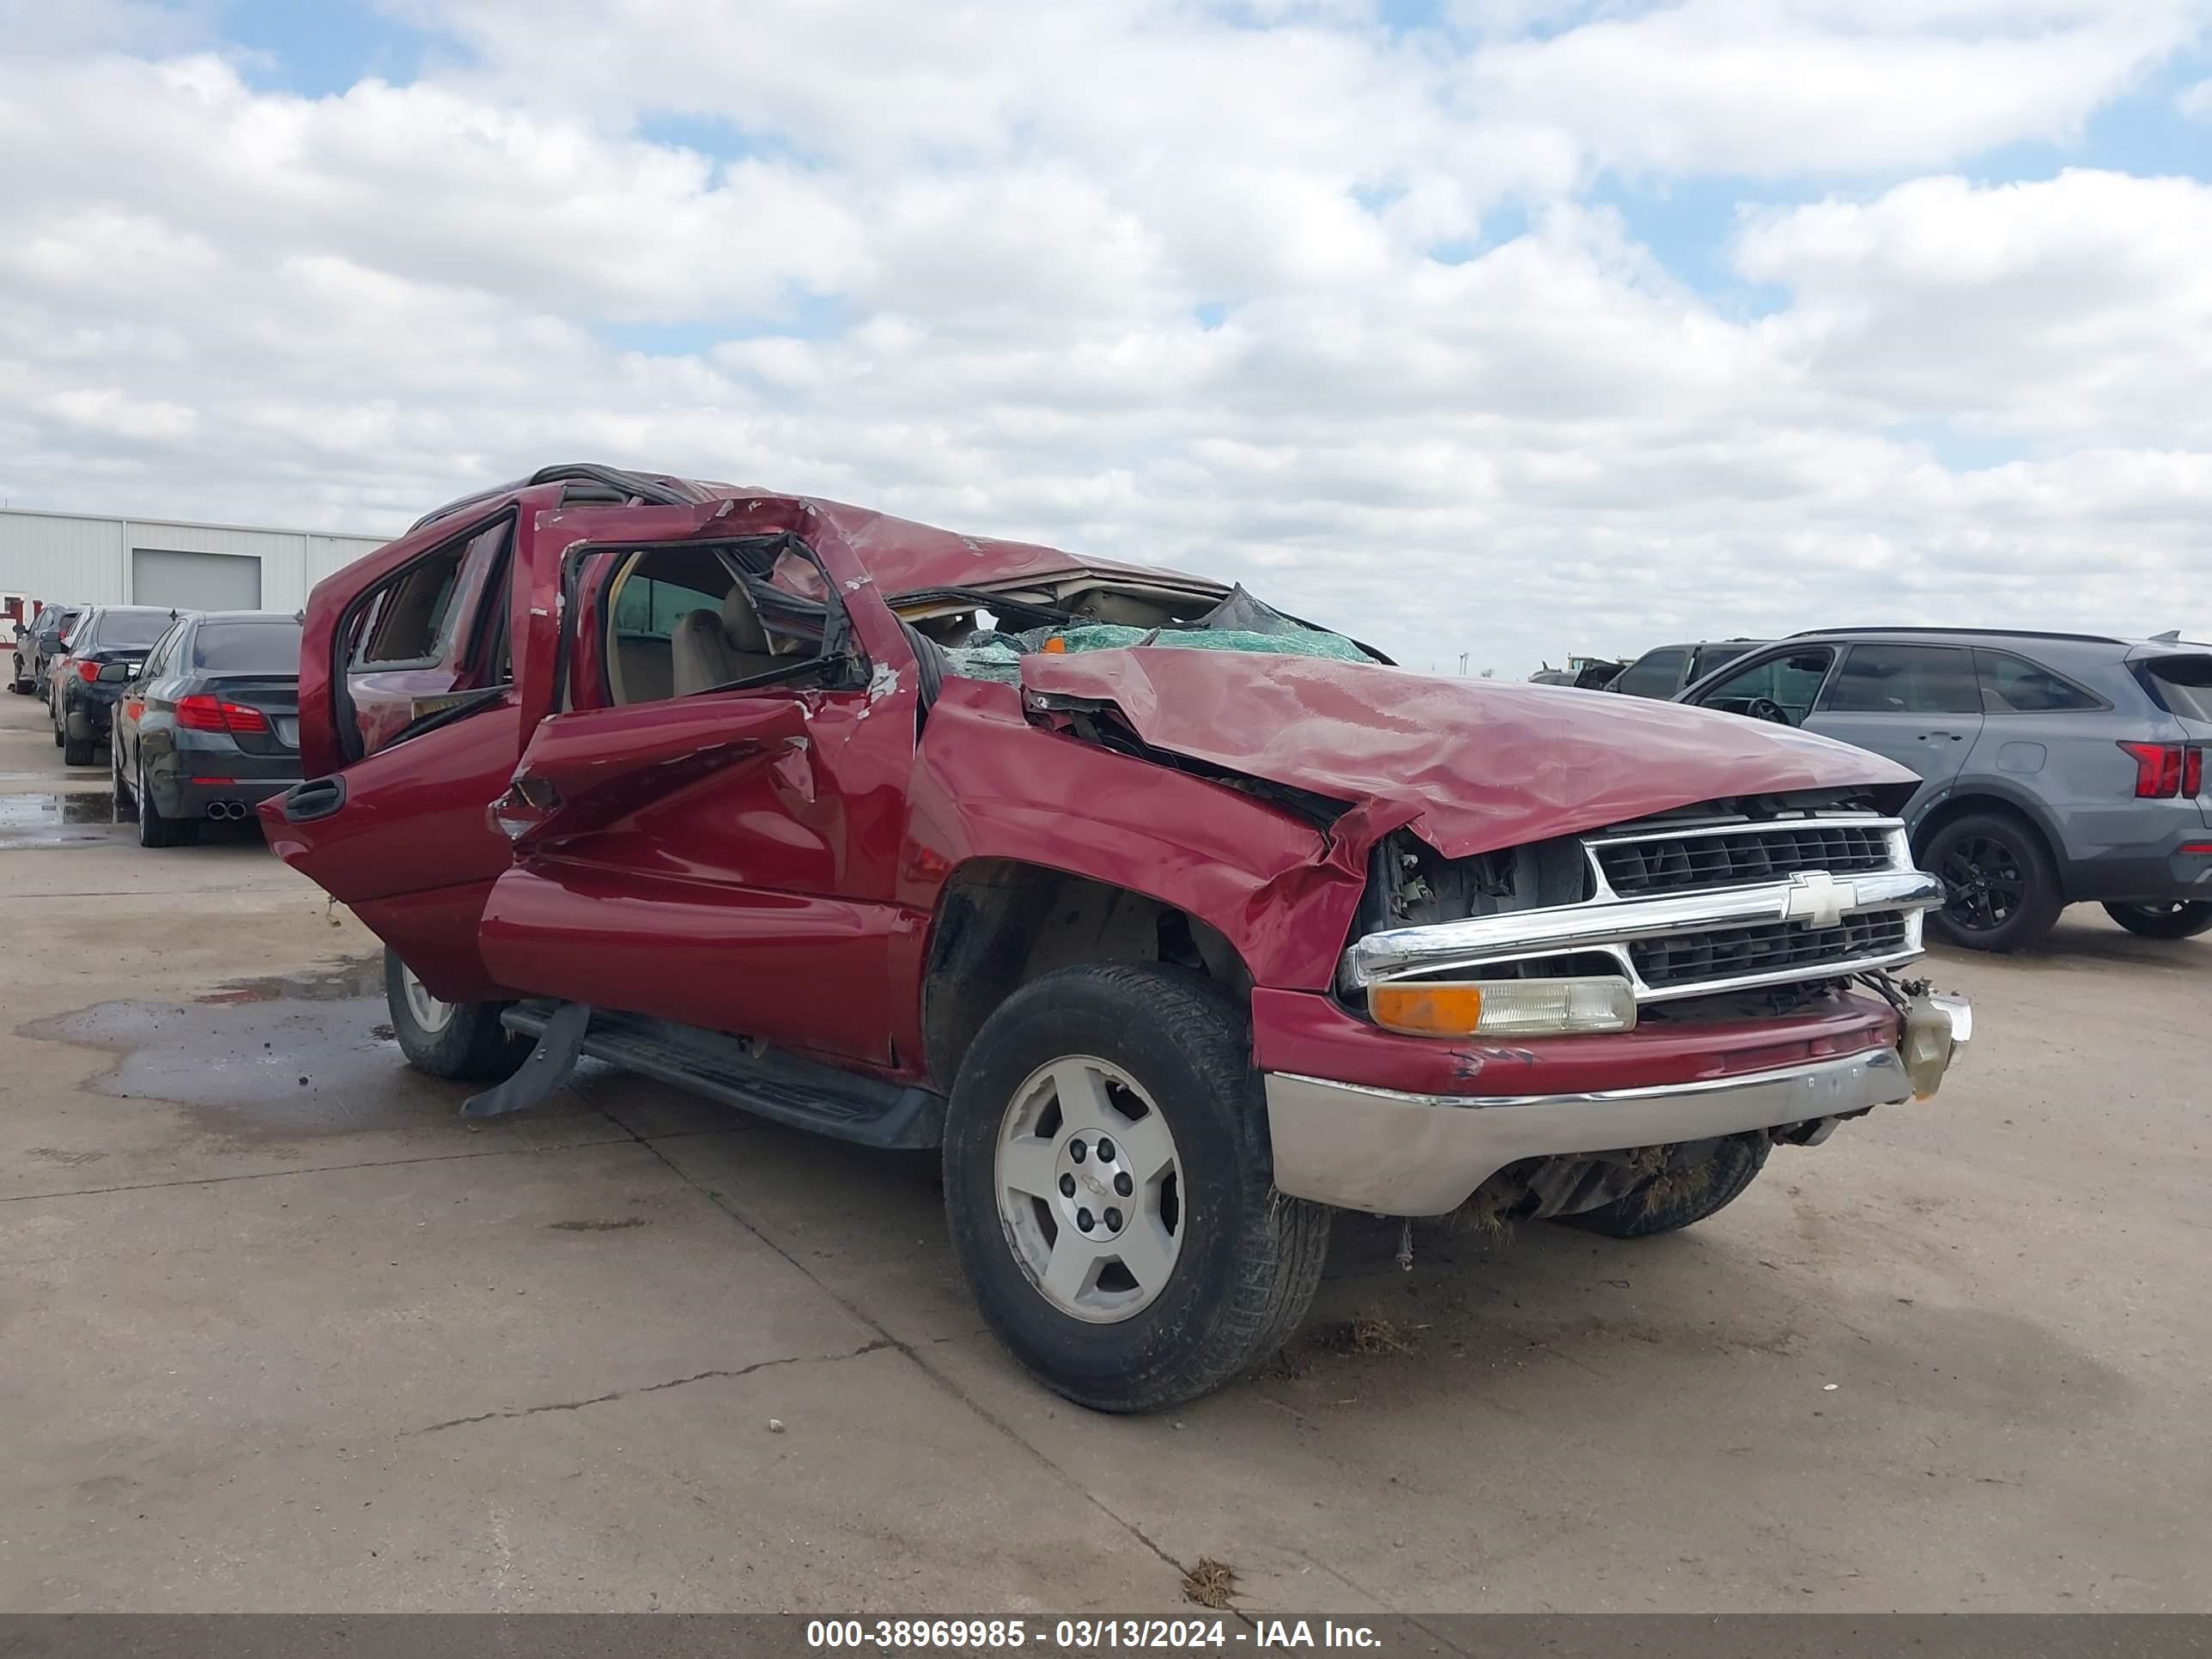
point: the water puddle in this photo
(342, 982)
(302, 1055)
(292, 1057)
(77, 806)
(76, 818)
(72, 818)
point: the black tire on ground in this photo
(471, 1043)
(2177, 919)
(1675, 1201)
(58, 739)
(1249, 1259)
(79, 751)
(154, 829)
(2004, 889)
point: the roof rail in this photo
(616, 484)
(1975, 633)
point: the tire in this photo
(154, 829)
(1237, 1262)
(1733, 1166)
(2170, 919)
(2004, 889)
(469, 1043)
(79, 751)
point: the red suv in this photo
(1173, 921)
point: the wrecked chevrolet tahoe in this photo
(1176, 923)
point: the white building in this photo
(82, 559)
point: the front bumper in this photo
(1361, 1147)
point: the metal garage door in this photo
(195, 581)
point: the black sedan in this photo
(102, 654)
(211, 728)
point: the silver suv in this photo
(2056, 768)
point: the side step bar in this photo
(739, 1072)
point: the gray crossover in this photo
(2056, 767)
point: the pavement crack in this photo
(649, 1388)
(916, 1355)
(312, 1168)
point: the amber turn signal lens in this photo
(1503, 1007)
(1426, 1010)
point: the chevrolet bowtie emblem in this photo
(1818, 900)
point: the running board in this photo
(546, 1070)
(739, 1072)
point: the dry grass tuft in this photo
(1682, 1186)
(1210, 1583)
(1369, 1334)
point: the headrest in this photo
(742, 623)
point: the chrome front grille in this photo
(1740, 953)
(1677, 863)
(1692, 911)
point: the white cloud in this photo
(2075, 308)
(1823, 86)
(245, 304)
(2196, 101)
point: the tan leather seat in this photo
(708, 648)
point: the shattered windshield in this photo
(1239, 623)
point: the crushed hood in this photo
(1467, 765)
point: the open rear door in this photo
(397, 824)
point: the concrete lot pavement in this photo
(278, 1331)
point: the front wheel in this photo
(1109, 1190)
(448, 1039)
(1672, 1201)
(2175, 919)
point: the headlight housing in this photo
(1503, 1008)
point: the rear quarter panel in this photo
(2070, 764)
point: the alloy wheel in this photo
(429, 1013)
(1987, 880)
(1090, 1190)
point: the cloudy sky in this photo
(1496, 326)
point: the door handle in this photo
(317, 798)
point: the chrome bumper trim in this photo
(1608, 925)
(1392, 1153)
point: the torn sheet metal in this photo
(1468, 765)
